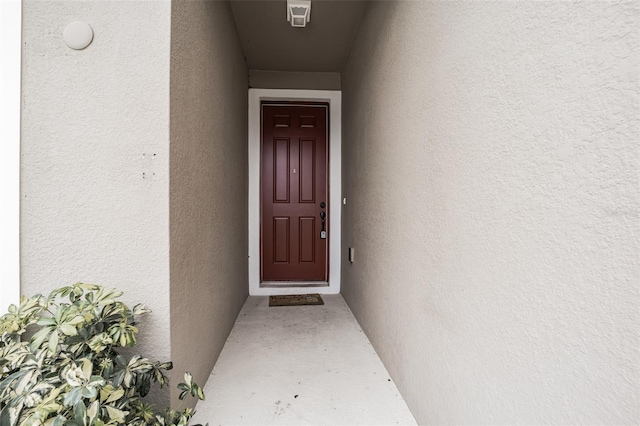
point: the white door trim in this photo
(10, 105)
(334, 98)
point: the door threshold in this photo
(293, 284)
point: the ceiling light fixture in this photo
(299, 12)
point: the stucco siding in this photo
(208, 189)
(95, 155)
(259, 79)
(491, 170)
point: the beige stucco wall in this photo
(95, 155)
(260, 79)
(491, 169)
(98, 130)
(208, 189)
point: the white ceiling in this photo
(270, 43)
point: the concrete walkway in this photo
(300, 365)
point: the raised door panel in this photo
(281, 167)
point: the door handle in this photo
(323, 215)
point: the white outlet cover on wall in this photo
(78, 35)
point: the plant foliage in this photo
(70, 371)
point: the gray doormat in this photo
(296, 300)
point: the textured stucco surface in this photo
(491, 171)
(95, 155)
(260, 79)
(208, 189)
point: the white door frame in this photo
(10, 105)
(334, 98)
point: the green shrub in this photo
(70, 371)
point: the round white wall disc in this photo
(78, 35)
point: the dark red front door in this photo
(294, 193)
